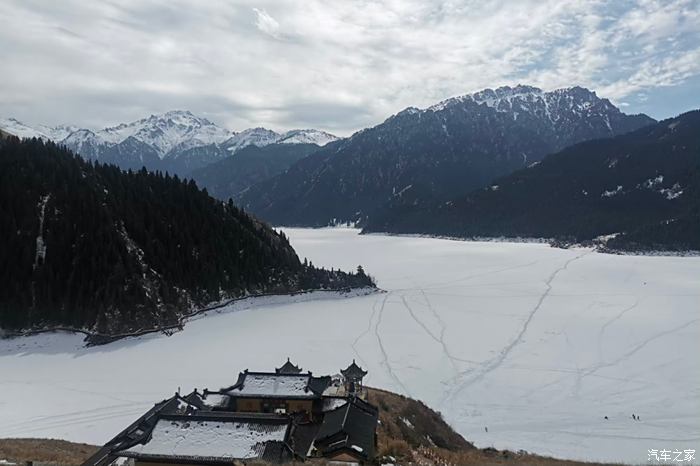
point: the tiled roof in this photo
(288, 368)
(215, 400)
(351, 426)
(139, 429)
(332, 402)
(215, 438)
(353, 371)
(277, 385)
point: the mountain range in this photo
(421, 156)
(175, 141)
(511, 161)
(640, 191)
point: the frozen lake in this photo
(535, 343)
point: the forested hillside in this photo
(420, 156)
(92, 247)
(227, 178)
(643, 187)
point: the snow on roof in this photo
(274, 385)
(330, 403)
(215, 400)
(206, 438)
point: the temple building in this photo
(353, 376)
(274, 417)
(288, 368)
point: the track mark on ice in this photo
(74, 420)
(443, 329)
(439, 340)
(495, 363)
(417, 320)
(385, 357)
(431, 286)
(601, 333)
(579, 378)
(625, 437)
(366, 331)
(52, 418)
(638, 347)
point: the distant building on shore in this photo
(277, 417)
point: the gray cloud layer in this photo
(337, 65)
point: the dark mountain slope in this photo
(252, 164)
(131, 154)
(91, 247)
(418, 156)
(645, 185)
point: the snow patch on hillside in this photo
(673, 192)
(40, 253)
(306, 136)
(611, 192)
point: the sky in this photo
(335, 65)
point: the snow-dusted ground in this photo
(535, 343)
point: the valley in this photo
(535, 344)
(350, 233)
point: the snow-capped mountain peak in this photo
(307, 136)
(255, 136)
(523, 99)
(47, 133)
(555, 107)
(167, 134)
(166, 131)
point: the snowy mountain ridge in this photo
(20, 129)
(167, 131)
(306, 136)
(554, 105)
(163, 138)
(434, 154)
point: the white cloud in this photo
(336, 64)
(267, 23)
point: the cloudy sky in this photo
(338, 65)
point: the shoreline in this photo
(595, 247)
(98, 339)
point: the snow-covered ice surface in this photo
(537, 344)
